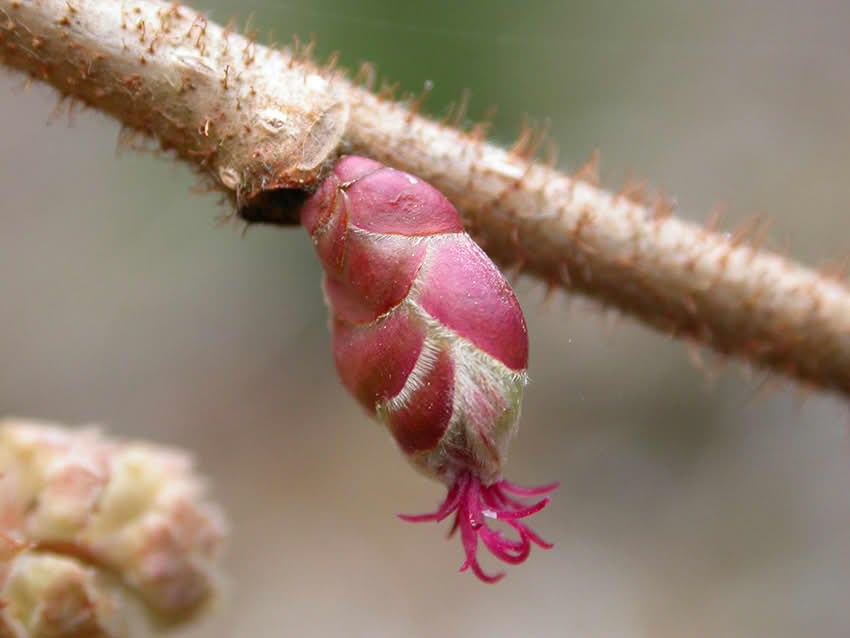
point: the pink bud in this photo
(430, 339)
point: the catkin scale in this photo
(428, 337)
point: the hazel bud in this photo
(430, 339)
(84, 519)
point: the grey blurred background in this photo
(693, 504)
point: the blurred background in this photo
(693, 503)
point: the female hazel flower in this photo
(430, 339)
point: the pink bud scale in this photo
(430, 339)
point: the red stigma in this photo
(471, 502)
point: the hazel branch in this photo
(263, 125)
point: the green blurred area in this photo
(694, 503)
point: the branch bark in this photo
(264, 125)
